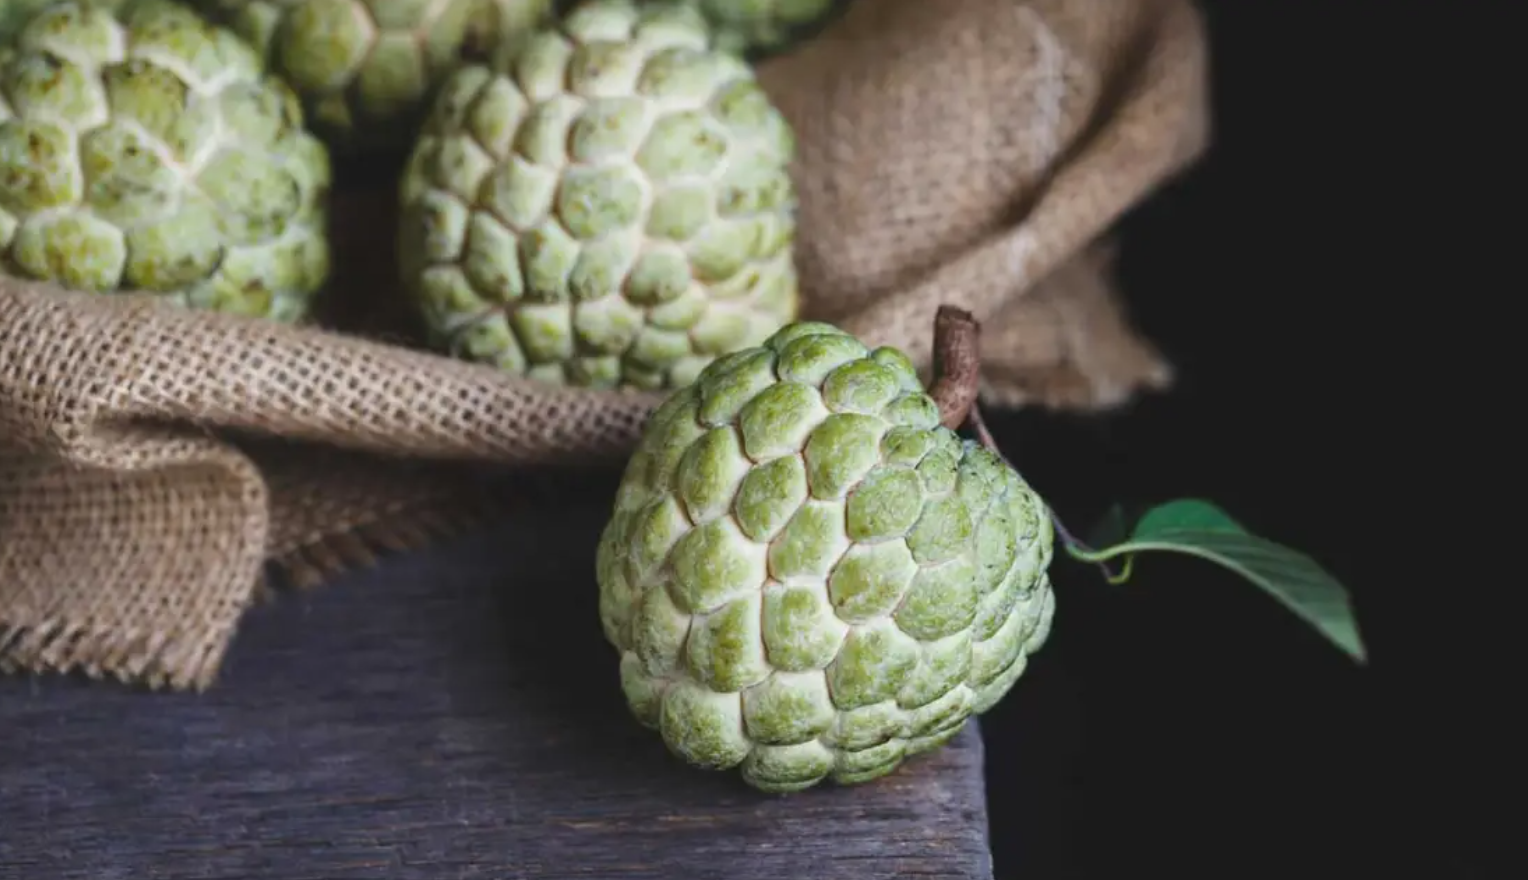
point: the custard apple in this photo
(807, 576)
(609, 203)
(143, 148)
(757, 27)
(366, 69)
(13, 13)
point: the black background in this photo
(1299, 278)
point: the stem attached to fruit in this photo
(957, 365)
(957, 384)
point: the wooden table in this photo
(451, 714)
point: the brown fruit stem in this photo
(957, 365)
(957, 383)
(957, 373)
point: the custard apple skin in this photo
(366, 69)
(13, 13)
(807, 577)
(761, 27)
(144, 149)
(609, 204)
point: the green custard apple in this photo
(366, 69)
(14, 12)
(807, 577)
(143, 148)
(755, 27)
(609, 204)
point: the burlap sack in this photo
(156, 465)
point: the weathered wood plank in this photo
(432, 719)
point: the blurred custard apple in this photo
(753, 27)
(608, 204)
(13, 13)
(144, 149)
(366, 69)
(807, 577)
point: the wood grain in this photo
(452, 714)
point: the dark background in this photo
(1183, 723)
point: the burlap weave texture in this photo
(155, 463)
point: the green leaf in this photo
(1187, 513)
(1199, 528)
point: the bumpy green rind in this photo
(608, 204)
(759, 27)
(143, 148)
(366, 69)
(809, 578)
(14, 13)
